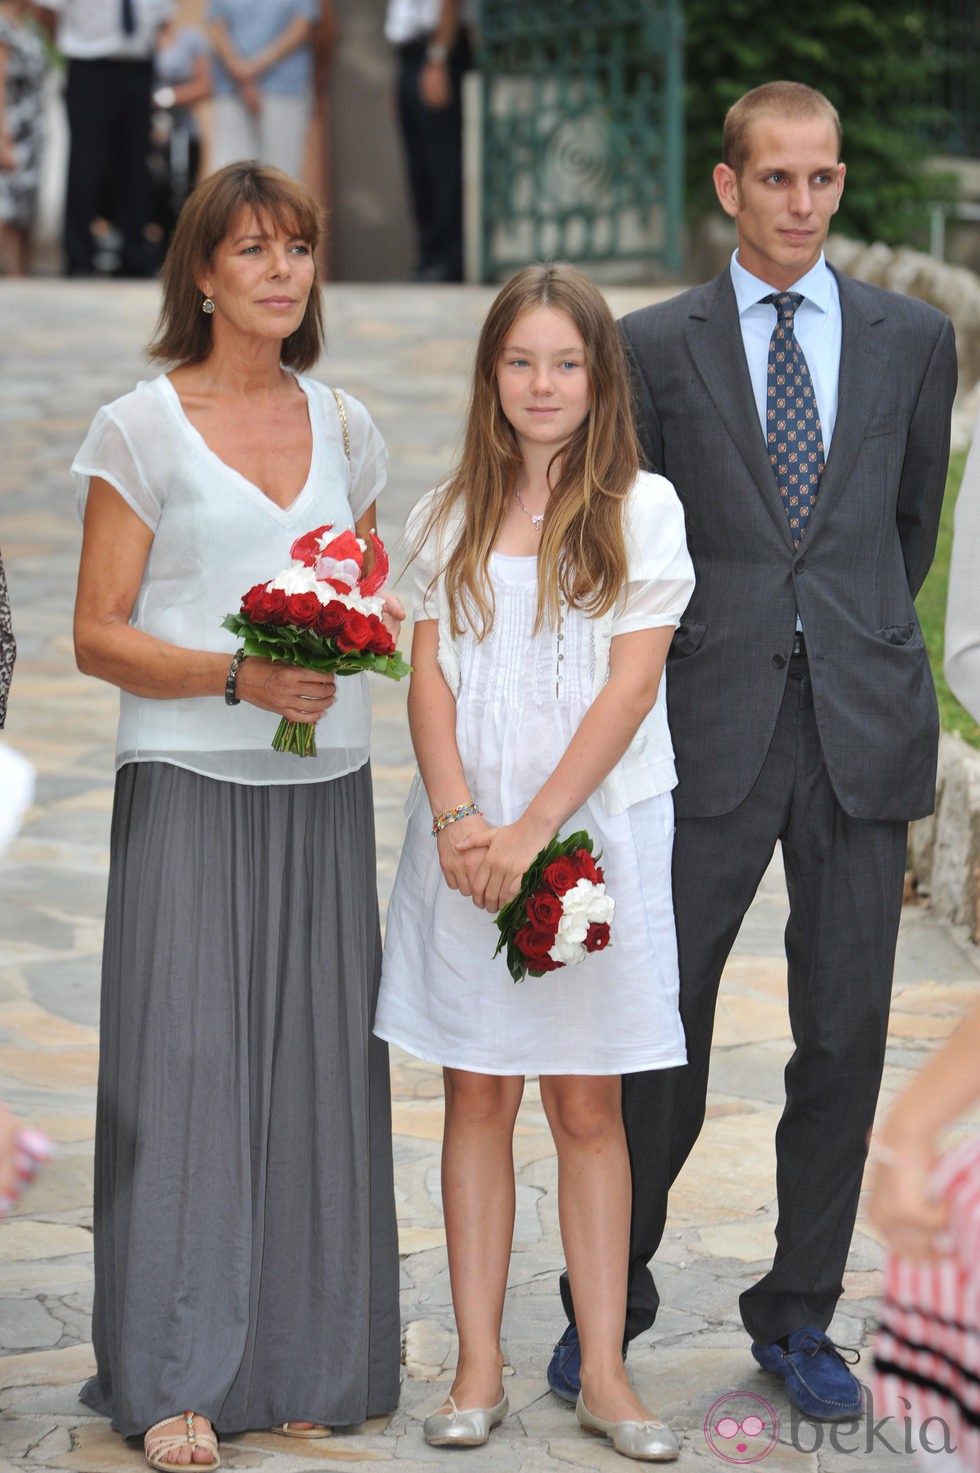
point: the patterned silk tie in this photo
(792, 421)
(128, 18)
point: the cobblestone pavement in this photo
(65, 348)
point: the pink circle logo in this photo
(741, 1427)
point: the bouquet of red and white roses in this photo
(324, 613)
(562, 912)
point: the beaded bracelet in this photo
(453, 815)
(231, 684)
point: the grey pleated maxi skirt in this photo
(246, 1255)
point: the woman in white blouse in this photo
(246, 1251)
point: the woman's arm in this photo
(325, 36)
(299, 32)
(902, 1207)
(115, 548)
(963, 602)
(432, 721)
(225, 49)
(196, 88)
(636, 662)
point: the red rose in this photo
(380, 641)
(587, 866)
(534, 946)
(561, 874)
(304, 610)
(597, 936)
(251, 599)
(355, 634)
(271, 607)
(331, 619)
(544, 911)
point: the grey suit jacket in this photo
(868, 546)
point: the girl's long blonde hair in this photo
(582, 552)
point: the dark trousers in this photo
(433, 141)
(845, 879)
(108, 105)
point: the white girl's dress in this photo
(520, 697)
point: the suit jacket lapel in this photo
(714, 338)
(863, 367)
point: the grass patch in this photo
(931, 607)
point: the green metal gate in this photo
(582, 132)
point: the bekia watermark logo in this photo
(742, 1427)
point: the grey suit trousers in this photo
(840, 945)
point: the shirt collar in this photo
(816, 285)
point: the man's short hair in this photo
(787, 101)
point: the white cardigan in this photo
(661, 581)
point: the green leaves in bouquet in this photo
(302, 647)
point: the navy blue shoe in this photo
(565, 1366)
(817, 1378)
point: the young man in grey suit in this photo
(800, 697)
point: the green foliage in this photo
(875, 61)
(931, 608)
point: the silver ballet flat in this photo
(651, 1441)
(468, 1428)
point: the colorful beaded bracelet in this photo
(453, 815)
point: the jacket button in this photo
(799, 565)
(779, 661)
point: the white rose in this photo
(588, 900)
(295, 579)
(567, 951)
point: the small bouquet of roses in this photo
(324, 613)
(561, 913)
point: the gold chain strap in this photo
(343, 424)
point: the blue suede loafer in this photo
(818, 1381)
(565, 1366)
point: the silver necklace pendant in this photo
(535, 518)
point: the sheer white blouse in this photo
(215, 535)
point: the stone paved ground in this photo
(65, 348)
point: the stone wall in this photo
(944, 849)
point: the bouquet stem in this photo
(298, 737)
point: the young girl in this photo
(550, 575)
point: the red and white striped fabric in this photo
(927, 1346)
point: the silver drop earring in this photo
(207, 306)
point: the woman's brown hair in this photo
(183, 330)
(582, 553)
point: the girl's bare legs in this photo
(594, 1197)
(478, 1204)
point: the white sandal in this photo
(168, 1442)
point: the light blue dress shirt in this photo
(818, 332)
